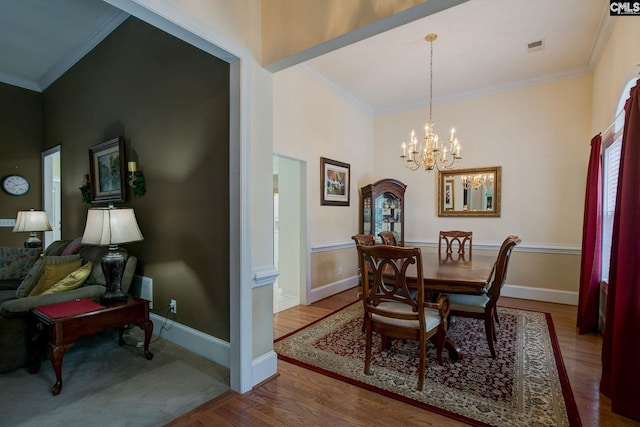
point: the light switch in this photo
(8, 222)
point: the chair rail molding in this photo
(264, 276)
(547, 248)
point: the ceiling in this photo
(481, 48)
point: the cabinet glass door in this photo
(366, 214)
(388, 215)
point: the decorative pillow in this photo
(73, 280)
(31, 279)
(53, 273)
(72, 248)
(15, 263)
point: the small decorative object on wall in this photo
(448, 194)
(136, 179)
(334, 182)
(107, 166)
(85, 190)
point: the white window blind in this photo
(610, 187)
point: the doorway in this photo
(289, 232)
(51, 184)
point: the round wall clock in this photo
(16, 185)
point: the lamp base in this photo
(112, 297)
(33, 241)
(112, 267)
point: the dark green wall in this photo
(170, 101)
(20, 148)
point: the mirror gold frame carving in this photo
(449, 178)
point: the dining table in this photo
(455, 274)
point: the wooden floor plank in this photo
(298, 396)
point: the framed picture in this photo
(448, 194)
(334, 182)
(107, 169)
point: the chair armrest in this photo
(442, 305)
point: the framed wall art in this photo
(107, 171)
(334, 182)
(448, 194)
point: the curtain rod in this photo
(613, 122)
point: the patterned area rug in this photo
(525, 385)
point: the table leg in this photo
(147, 327)
(57, 353)
(37, 345)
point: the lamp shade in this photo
(111, 226)
(32, 221)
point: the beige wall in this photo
(292, 26)
(20, 145)
(326, 264)
(539, 135)
(620, 63)
(312, 121)
(239, 20)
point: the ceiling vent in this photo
(535, 46)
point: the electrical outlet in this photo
(173, 306)
(340, 270)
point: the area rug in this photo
(525, 385)
(106, 385)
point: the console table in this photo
(62, 324)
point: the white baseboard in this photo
(264, 367)
(207, 346)
(329, 289)
(212, 348)
(539, 294)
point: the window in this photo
(611, 165)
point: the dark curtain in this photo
(620, 345)
(591, 243)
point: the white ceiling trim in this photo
(564, 75)
(602, 38)
(106, 25)
(19, 82)
(337, 88)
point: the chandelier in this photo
(430, 152)
(476, 182)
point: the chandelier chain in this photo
(430, 152)
(431, 82)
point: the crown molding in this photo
(107, 24)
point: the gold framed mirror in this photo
(469, 192)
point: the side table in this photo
(61, 330)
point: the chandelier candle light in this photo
(431, 152)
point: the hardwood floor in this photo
(298, 396)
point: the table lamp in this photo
(32, 221)
(110, 227)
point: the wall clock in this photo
(16, 185)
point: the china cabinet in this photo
(382, 209)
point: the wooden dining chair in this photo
(364, 239)
(484, 306)
(388, 238)
(455, 244)
(391, 309)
